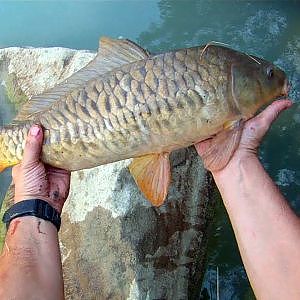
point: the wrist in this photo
(58, 205)
(34, 207)
(237, 163)
(30, 225)
(234, 181)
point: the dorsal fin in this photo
(112, 54)
(118, 52)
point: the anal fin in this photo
(152, 175)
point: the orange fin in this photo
(217, 151)
(3, 167)
(152, 175)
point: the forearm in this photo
(30, 261)
(267, 230)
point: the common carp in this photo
(128, 103)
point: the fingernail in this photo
(35, 130)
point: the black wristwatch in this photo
(33, 207)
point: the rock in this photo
(114, 244)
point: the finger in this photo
(54, 170)
(201, 147)
(59, 180)
(15, 170)
(33, 145)
(271, 113)
(59, 187)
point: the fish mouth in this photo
(286, 88)
(285, 91)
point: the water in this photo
(270, 29)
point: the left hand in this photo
(33, 179)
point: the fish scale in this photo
(142, 84)
(127, 103)
(13, 137)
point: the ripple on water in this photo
(261, 30)
(290, 62)
(285, 177)
(222, 284)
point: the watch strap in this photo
(33, 207)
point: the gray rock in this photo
(114, 244)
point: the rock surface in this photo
(114, 244)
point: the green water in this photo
(270, 29)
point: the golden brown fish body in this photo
(141, 104)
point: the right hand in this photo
(253, 132)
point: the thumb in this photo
(256, 128)
(33, 145)
(270, 114)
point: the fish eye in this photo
(270, 72)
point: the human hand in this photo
(33, 179)
(252, 134)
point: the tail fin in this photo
(2, 168)
(11, 145)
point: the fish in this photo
(129, 103)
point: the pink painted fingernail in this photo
(35, 130)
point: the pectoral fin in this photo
(152, 175)
(216, 152)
